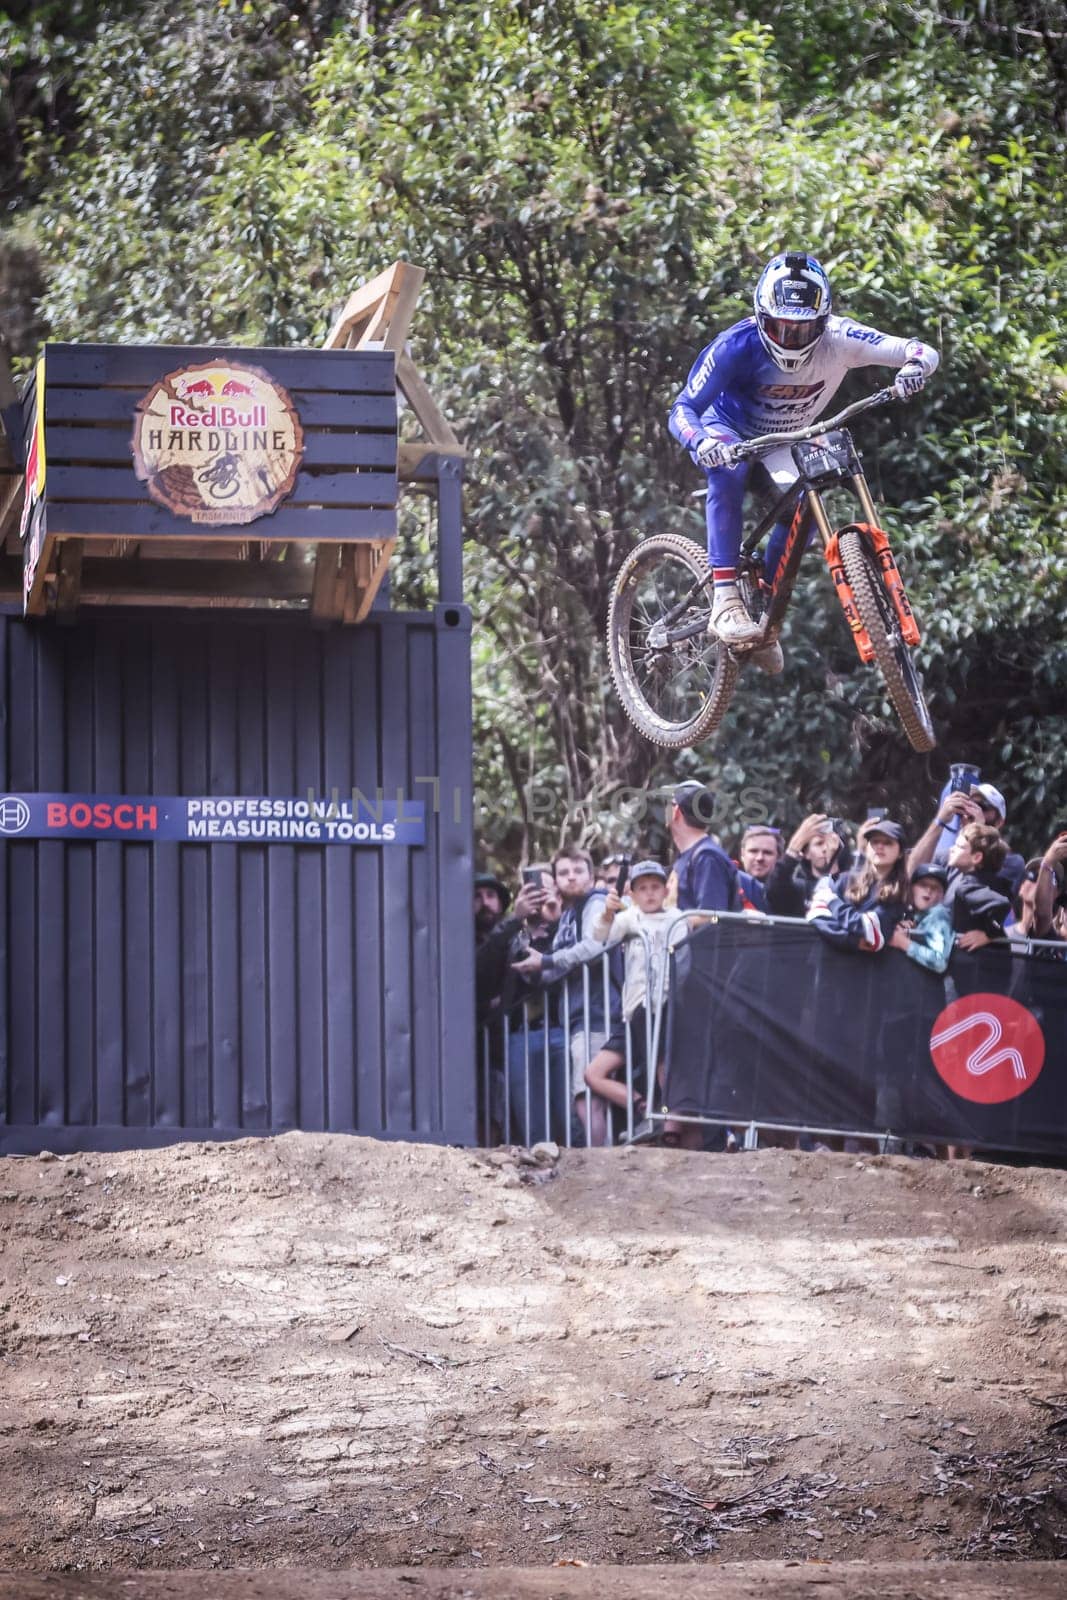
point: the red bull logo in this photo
(218, 443)
(218, 417)
(200, 388)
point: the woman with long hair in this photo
(863, 910)
(880, 877)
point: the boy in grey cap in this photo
(649, 916)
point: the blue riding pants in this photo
(726, 494)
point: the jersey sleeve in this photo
(712, 372)
(842, 923)
(861, 346)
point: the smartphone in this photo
(624, 873)
(532, 875)
(876, 813)
(963, 777)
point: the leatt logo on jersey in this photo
(789, 391)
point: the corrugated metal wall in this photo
(155, 991)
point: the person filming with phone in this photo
(530, 926)
(817, 849)
(967, 799)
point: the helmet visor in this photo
(789, 333)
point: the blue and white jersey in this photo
(734, 382)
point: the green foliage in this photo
(593, 187)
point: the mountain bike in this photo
(676, 680)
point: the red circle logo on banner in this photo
(987, 1048)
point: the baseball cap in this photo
(695, 801)
(489, 880)
(647, 869)
(930, 869)
(991, 797)
(888, 830)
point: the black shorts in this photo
(638, 1044)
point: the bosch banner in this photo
(210, 819)
(771, 1024)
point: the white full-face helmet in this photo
(792, 306)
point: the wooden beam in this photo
(194, 549)
(434, 423)
(349, 586)
(11, 488)
(410, 458)
(382, 311)
(325, 585)
(365, 302)
(393, 321)
(380, 557)
(186, 581)
(68, 580)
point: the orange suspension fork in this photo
(894, 587)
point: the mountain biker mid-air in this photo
(774, 372)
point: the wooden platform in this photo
(99, 530)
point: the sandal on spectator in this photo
(643, 1131)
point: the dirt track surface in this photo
(333, 1352)
(1023, 1580)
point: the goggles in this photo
(790, 334)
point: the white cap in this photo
(992, 797)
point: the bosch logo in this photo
(987, 1048)
(14, 815)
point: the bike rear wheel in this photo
(674, 690)
(893, 656)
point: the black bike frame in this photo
(795, 545)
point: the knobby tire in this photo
(662, 548)
(891, 653)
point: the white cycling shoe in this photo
(730, 622)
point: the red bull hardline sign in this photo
(219, 443)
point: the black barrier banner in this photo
(772, 1024)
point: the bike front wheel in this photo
(893, 656)
(674, 682)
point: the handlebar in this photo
(768, 441)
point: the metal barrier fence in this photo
(529, 1065)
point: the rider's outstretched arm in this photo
(869, 347)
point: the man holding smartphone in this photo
(968, 801)
(511, 938)
(813, 852)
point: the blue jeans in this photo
(548, 1064)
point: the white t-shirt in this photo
(629, 924)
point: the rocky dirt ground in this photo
(753, 1580)
(335, 1352)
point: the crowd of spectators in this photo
(558, 1027)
